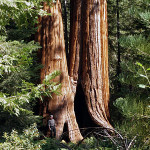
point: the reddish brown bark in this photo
(104, 42)
(75, 40)
(88, 51)
(95, 60)
(54, 58)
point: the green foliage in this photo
(146, 76)
(132, 108)
(20, 90)
(137, 43)
(14, 104)
(15, 56)
(92, 143)
(130, 102)
(135, 109)
(16, 59)
(19, 69)
(16, 70)
(52, 144)
(24, 13)
(17, 110)
(27, 140)
(134, 38)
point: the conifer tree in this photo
(88, 51)
(132, 100)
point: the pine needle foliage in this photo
(132, 101)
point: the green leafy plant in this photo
(52, 144)
(24, 13)
(145, 76)
(28, 140)
(14, 104)
(16, 62)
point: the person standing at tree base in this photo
(51, 125)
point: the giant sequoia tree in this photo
(87, 63)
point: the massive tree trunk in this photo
(88, 61)
(95, 60)
(54, 58)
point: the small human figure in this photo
(51, 125)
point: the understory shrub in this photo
(28, 140)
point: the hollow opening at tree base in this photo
(65, 135)
(81, 111)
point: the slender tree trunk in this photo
(95, 60)
(66, 27)
(118, 36)
(118, 48)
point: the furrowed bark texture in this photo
(75, 40)
(95, 60)
(104, 42)
(54, 58)
(88, 61)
